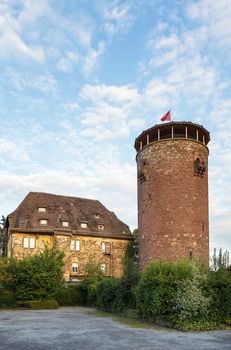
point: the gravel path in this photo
(75, 328)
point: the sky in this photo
(81, 79)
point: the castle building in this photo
(84, 229)
(172, 177)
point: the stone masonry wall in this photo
(90, 249)
(172, 202)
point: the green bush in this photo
(70, 295)
(219, 288)
(7, 299)
(130, 277)
(39, 304)
(88, 286)
(191, 297)
(35, 277)
(108, 294)
(156, 291)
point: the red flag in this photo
(167, 116)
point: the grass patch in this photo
(130, 319)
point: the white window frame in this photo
(103, 267)
(101, 227)
(83, 225)
(42, 209)
(29, 242)
(75, 245)
(43, 222)
(106, 247)
(65, 223)
(75, 267)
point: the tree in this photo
(221, 260)
(3, 237)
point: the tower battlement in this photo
(172, 130)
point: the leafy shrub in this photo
(35, 277)
(39, 304)
(156, 290)
(130, 277)
(70, 295)
(108, 295)
(7, 299)
(88, 286)
(191, 297)
(219, 288)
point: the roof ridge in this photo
(62, 195)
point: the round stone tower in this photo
(172, 176)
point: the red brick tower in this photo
(172, 160)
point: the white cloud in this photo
(11, 43)
(116, 94)
(12, 151)
(15, 26)
(117, 17)
(45, 83)
(215, 15)
(91, 58)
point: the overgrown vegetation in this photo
(180, 294)
(35, 277)
(3, 237)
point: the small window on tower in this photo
(83, 225)
(97, 216)
(101, 227)
(42, 209)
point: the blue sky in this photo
(79, 80)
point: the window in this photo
(75, 267)
(83, 225)
(97, 216)
(65, 223)
(42, 209)
(43, 222)
(106, 247)
(75, 245)
(28, 242)
(101, 227)
(103, 268)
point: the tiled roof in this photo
(64, 208)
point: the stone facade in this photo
(173, 200)
(90, 249)
(103, 240)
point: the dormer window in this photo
(42, 209)
(101, 227)
(65, 223)
(97, 216)
(43, 222)
(83, 225)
